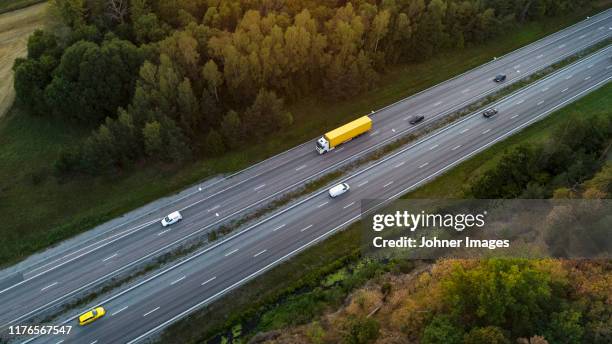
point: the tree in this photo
(485, 335)
(266, 115)
(41, 43)
(231, 129)
(213, 77)
(214, 143)
(565, 328)
(153, 141)
(92, 81)
(70, 12)
(188, 107)
(441, 330)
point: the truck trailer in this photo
(345, 133)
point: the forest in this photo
(176, 80)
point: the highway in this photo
(171, 294)
(54, 280)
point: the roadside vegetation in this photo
(67, 163)
(263, 308)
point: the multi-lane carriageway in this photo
(173, 293)
(51, 281)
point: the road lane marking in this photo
(520, 101)
(400, 164)
(279, 227)
(374, 133)
(305, 228)
(178, 280)
(517, 66)
(339, 149)
(209, 280)
(610, 66)
(257, 254)
(425, 164)
(393, 130)
(590, 66)
(389, 183)
(119, 311)
(60, 342)
(110, 257)
(562, 46)
(259, 187)
(581, 37)
(540, 56)
(301, 167)
(568, 77)
(362, 183)
(513, 117)
(587, 78)
(540, 102)
(438, 103)
(464, 130)
(49, 286)
(231, 252)
(335, 229)
(486, 131)
(213, 208)
(348, 205)
(433, 147)
(322, 204)
(162, 232)
(456, 147)
(465, 91)
(565, 89)
(94, 342)
(545, 89)
(151, 311)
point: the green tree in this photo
(565, 328)
(153, 141)
(441, 330)
(214, 143)
(485, 335)
(213, 77)
(231, 129)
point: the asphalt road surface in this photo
(173, 293)
(52, 281)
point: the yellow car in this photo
(91, 316)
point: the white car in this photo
(172, 218)
(338, 190)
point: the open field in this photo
(15, 27)
(273, 294)
(45, 210)
(12, 5)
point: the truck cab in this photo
(323, 145)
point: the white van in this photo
(172, 218)
(338, 190)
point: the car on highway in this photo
(171, 219)
(489, 112)
(338, 190)
(416, 119)
(91, 316)
(500, 78)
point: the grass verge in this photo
(45, 210)
(272, 295)
(12, 5)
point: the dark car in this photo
(416, 119)
(500, 78)
(489, 113)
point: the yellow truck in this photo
(345, 133)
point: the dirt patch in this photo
(15, 27)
